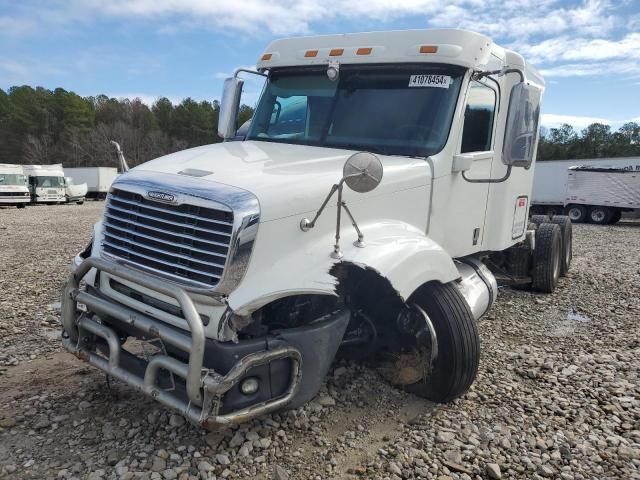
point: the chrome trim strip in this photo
(112, 207)
(165, 252)
(164, 262)
(209, 194)
(165, 232)
(169, 212)
(166, 242)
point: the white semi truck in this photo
(14, 189)
(98, 179)
(46, 183)
(380, 177)
(554, 190)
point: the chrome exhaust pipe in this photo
(477, 285)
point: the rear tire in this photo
(539, 219)
(566, 230)
(600, 215)
(577, 213)
(21, 205)
(615, 217)
(547, 258)
(456, 365)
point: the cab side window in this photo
(479, 116)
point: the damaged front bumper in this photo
(196, 376)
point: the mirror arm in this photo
(489, 180)
(305, 224)
(254, 72)
(360, 242)
(500, 73)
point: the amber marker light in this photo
(336, 52)
(311, 53)
(364, 51)
(266, 56)
(428, 49)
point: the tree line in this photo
(41, 126)
(595, 141)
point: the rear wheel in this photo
(600, 215)
(615, 217)
(539, 219)
(567, 242)
(443, 356)
(577, 213)
(21, 205)
(547, 258)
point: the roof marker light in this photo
(428, 49)
(336, 52)
(266, 56)
(311, 53)
(364, 51)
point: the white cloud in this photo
(552, 120)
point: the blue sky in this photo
(588, 50)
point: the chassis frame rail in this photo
(204, 388)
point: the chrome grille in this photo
(186, 241)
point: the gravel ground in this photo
(557, 396)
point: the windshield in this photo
(394, 110)
(12, 179)
(49, 182)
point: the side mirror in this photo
(362, 172)
(521, 133)
(229, 106)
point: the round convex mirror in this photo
(362, 172)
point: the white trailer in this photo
(601, 195)
(551, 178)
(14, 189)
(381, 178)
(98, 179)
(46, 183)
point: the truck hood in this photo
(287, 179)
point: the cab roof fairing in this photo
(455, 47)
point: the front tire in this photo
(458, 345)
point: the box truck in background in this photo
(75, 192)
(46, 183)
(14, 189)
(98, 179)
(551, 181)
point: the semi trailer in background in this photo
(46, 183)
(98, 179)
(14, 189)
(554, 193)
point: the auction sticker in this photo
(440, 81)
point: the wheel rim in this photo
(598, 216)
(575, 214)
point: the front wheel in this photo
(445, 353)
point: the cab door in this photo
(469, 189)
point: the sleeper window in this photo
(478, 119)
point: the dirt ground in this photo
(557, 396)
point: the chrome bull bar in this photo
(204, 388)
